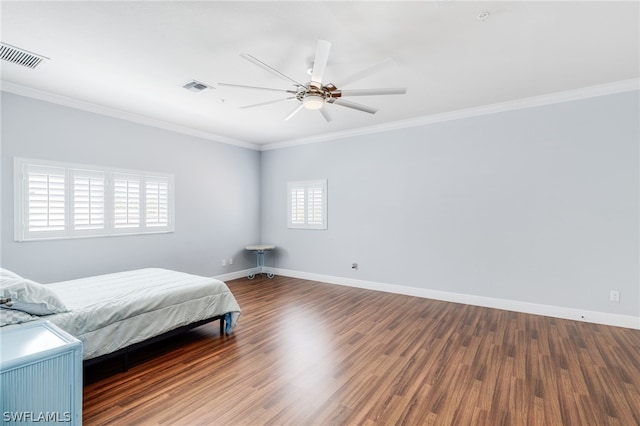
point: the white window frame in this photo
(307, 189)
(22, 232)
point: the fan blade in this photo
(272, 70)
(365, 72)
(268, 102)
(353, 105)
(320, 61)
(325, 114)
(370, 92)
(294, 112)
(242, 86)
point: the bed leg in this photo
(221, 326)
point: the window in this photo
(126, 201)
(45, 188)
(58, 200)
(307, 204)
(157, 209)
(88, 200)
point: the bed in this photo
(114, 312)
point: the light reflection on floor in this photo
(307, 363)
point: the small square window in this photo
(307, 204)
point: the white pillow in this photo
(30, 297)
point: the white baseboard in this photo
(489, 302)
(233, 275)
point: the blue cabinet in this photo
(40, 375)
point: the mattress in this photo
(110, 312)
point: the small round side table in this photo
(260, 249)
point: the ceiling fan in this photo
(315, 94)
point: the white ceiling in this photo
(133, 57)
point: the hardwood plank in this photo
(313, 353)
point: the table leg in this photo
(260, 266)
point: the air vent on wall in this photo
(19, 56)
(195, 86)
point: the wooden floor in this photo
(306, 353)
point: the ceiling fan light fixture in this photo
(313, 101)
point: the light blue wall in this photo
(537, 205)
(217, 188)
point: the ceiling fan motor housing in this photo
(315, 95)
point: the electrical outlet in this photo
(231, 261)
(224, 262)
(614, 296)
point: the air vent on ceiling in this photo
(195, 86)
(19, 56)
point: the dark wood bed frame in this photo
(124, 352)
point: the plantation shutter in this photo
(54, 200)
(297, 195)
(88, 199)
(307, 204)
(315, 205)
(126, 201)
(157, 201)
(45, 209)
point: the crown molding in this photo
(116, 113)
(535, 101)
